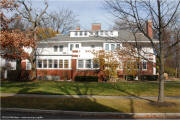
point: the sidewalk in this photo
(84, 96)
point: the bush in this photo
(86, 78)
(149, 77)
(13, 75)
(130, 77)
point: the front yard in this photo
(91, 88)
(123, 105)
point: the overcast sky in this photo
(87, 11)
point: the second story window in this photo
(80, 34)
(76, 33)
(77, 45)
(112, 47)
(85, 33)
(106, 46)
(61, 48)
(71, 47)
(55, 48)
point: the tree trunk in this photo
(18, 69)
(161, 81)
(33, 74)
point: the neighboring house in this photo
(66, 56)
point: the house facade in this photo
(66, 56)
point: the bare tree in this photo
(162, 13)
(33, 17)
(62, 21)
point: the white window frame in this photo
(143, 65)
(28, 67)
(74, 46)
(84, 65)
(69, 64)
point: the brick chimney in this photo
(96, 26)
(149, 28)
(77, 27)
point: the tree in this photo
(108, 63)
(61, 21)
(13, 41)
(34, 18)
(44, 33)
(134, 13)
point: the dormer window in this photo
(80, 33)
(85, 33)
(106, 32)
(55, 48)
(61, 48)
(101, 32)
(76, 33)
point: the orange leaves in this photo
(13, 43)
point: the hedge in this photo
(86, 78)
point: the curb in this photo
(99, 114)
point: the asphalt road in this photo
(12, 115)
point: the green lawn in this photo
(91, 88)
(123, 105)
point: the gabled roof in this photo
(123, 36)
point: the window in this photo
(144, 65)
(95, 64)
(39, 63)
(85, 33)
(77, 45)
(88, 63)
(55, 48)
(96, 33)
(118, 46)
(80, 34)
(92, 46)
(61, 48)
(50, 64)
(55, 63)
(112, 47)
(44, 63)
(71, 46)
(76, 33)
(66, 64)
(101, 32)
(106, 32)
(28, 66)
(106, 46)
(60, 63)
(111, 32)
(80, 64)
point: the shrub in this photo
(86, 78)
(149, 77)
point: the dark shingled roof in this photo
(123, 36)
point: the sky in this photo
(87, 11)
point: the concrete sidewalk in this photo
(85, 96)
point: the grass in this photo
(91, 88)
(123, 105)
